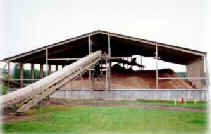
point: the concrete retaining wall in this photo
(196, 69)
(135, 94)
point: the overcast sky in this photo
(29, 24)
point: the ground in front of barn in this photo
(110, 117)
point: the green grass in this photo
(109, 120)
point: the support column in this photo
(63, 66)
(156, 54)
(57, 67)
(8, 84)
(127, 64)
(141, 68)
(109, 62)
(90, 50)
(46, 59)
(91, 80)
(41, 71)
(49, 69)
(123, 64)
(130, 58)
(32, 71)
(21, 75)
(106, 62)
(206, 72)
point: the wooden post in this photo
(21, 75)
(141, 62)
(156, 54)
(32, 71)
(109, 57)
(123, 64)
(90, 50)
(8, 84)
(91, 80)
(49, 69)
(127, 61)
(106, 62)
(206, 72)
(57, 67)
(46, 56)
(41, 71)
(130, 61)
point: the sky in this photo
(29, 24)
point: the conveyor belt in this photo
(31, 95)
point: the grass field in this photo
(109, 120)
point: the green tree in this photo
(27, 74)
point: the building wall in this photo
(196, 69)
(136, 94)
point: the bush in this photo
(3, 89)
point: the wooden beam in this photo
(64, 59)
(41, 71)
(42, 55)
(111, 58)
(21, 74)
(24, 79)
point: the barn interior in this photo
(115, 69)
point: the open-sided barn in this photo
(113, 76)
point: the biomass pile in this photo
(129, 79)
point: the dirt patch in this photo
(31, 114)
(13, 118)
(62, 108)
